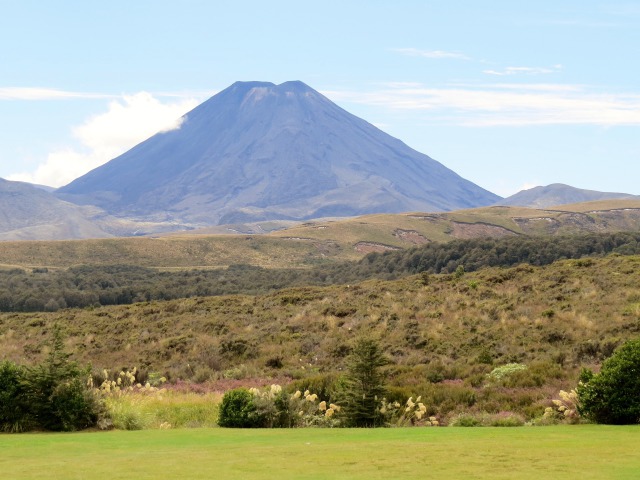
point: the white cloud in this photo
(524, 71)
(127, 122)
(436, 54)
(529, 186)
(514, 104)
(506, 188)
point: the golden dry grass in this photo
(323, 241)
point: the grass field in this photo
(562, 452)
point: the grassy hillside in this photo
(403, 230)
(166, 252)
(324, 241)
(443, 333)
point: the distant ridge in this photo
(28, 212)
(557, 194)
(258, 151)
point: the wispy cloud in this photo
(44, 93)
(37, 93)
(524, 71)
(128, 120)
(510, 104)
(436, 54)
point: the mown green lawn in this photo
(562, 452)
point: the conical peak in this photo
(249, 85)
(251, 94)
(293, 86)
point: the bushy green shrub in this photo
(238, 410)
(55, 388)
(53, 395)
(74, 405)
(273, 407)
(613, 395)
(14, 414)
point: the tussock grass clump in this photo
(483, 419)
(133, 406)
(138, 411)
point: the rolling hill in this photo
(322, 241)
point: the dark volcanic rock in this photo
(259, 151)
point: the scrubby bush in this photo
(613, 395)
(14, 413)
(53, 395)
(410, 414)
(273, 407)
(56, 391)
(324, 385)
(238, 410)
(499, 375)
(75, 405)
(306, 409)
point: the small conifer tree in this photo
(363, 386)
(56, 391)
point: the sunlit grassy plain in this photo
(585, 452)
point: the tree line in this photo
(41, 289)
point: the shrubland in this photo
(477, 343)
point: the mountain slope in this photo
(258, 151)
(557, 194)
(28, 213)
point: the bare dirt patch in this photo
(370, 247)
(475, 230)
(410, 236)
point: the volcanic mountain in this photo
(258, 151)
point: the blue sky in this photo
(508, 94)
